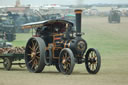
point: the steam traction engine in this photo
(57, 42)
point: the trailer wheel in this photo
(7, 63)
(34, 54)
(92, 61)
(66, 61)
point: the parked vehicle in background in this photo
(3, 41)
(114, 16)
(71, 18)
(7, 26)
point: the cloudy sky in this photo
(40, 2)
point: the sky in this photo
(62, 2)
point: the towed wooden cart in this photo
(9, 58)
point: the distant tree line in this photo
(99, 5)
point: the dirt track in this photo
(51, 77)
(114, 69)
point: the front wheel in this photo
(92, 61)
(66, 61)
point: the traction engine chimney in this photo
(78, 21)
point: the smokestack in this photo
(78, 20)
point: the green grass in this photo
(21, 39)
(110, 39)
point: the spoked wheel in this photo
(34, 54)
(93, 61)
(66, 61)
(7, 63)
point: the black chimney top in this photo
(78, 20)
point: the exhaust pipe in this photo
(78, 21)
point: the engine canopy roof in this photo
(47, 23)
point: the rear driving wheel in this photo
(66, 61)
(93, 61)
(34, 54)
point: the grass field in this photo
(21, 39)
(110, 39)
